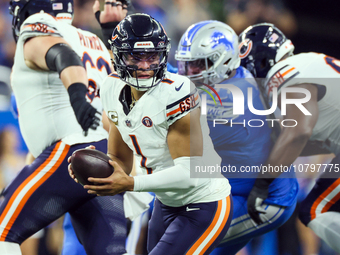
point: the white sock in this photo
(327, 227)
(7, 248)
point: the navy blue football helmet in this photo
(139, 36)
(22, 9)
(261, 46)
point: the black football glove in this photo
(127, 3)
(87, 116)
(256, 196)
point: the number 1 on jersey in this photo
(139, 152)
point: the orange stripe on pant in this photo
(32, 189)
(321, 197)
(210, 228)
(221, 227)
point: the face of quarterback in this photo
(143, 63)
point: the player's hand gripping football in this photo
(118, 182)
(70, 171)
(256, 197)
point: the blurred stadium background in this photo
(312, 26)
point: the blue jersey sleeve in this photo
(171, 69)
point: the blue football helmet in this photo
(262, 46)
(140, 37)
(208, 52)
(22, 9)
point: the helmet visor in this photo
(142, 60)
(195, 67)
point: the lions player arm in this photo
(118, 150)
(292, 140)
(313, 148)
(35, 50)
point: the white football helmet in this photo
(208, 52)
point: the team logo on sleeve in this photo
(147, 121)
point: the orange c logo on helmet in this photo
(114, 37)
(246, 43)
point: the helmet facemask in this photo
(142, 78)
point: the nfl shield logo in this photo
(128, 123)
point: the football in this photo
(90, 163)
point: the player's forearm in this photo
(126, 164)
(172, 178)
(287, 148)
(73, 74)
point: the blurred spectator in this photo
(242, 13)
(182, 14)
(7, 45)
(151, 7)
(11, 162)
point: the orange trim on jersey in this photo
(330, 203)
(195, 246)
(61, 18)
(287, 72)
(322, 196)
(113, 75)
(32, 189)
(173, 112)
(168, 81)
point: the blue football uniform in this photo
(242, 145)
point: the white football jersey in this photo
(144, 129)
(45, 112)
(324, 72)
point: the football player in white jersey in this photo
(58, 104)
(156, 116)
(313, 82)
